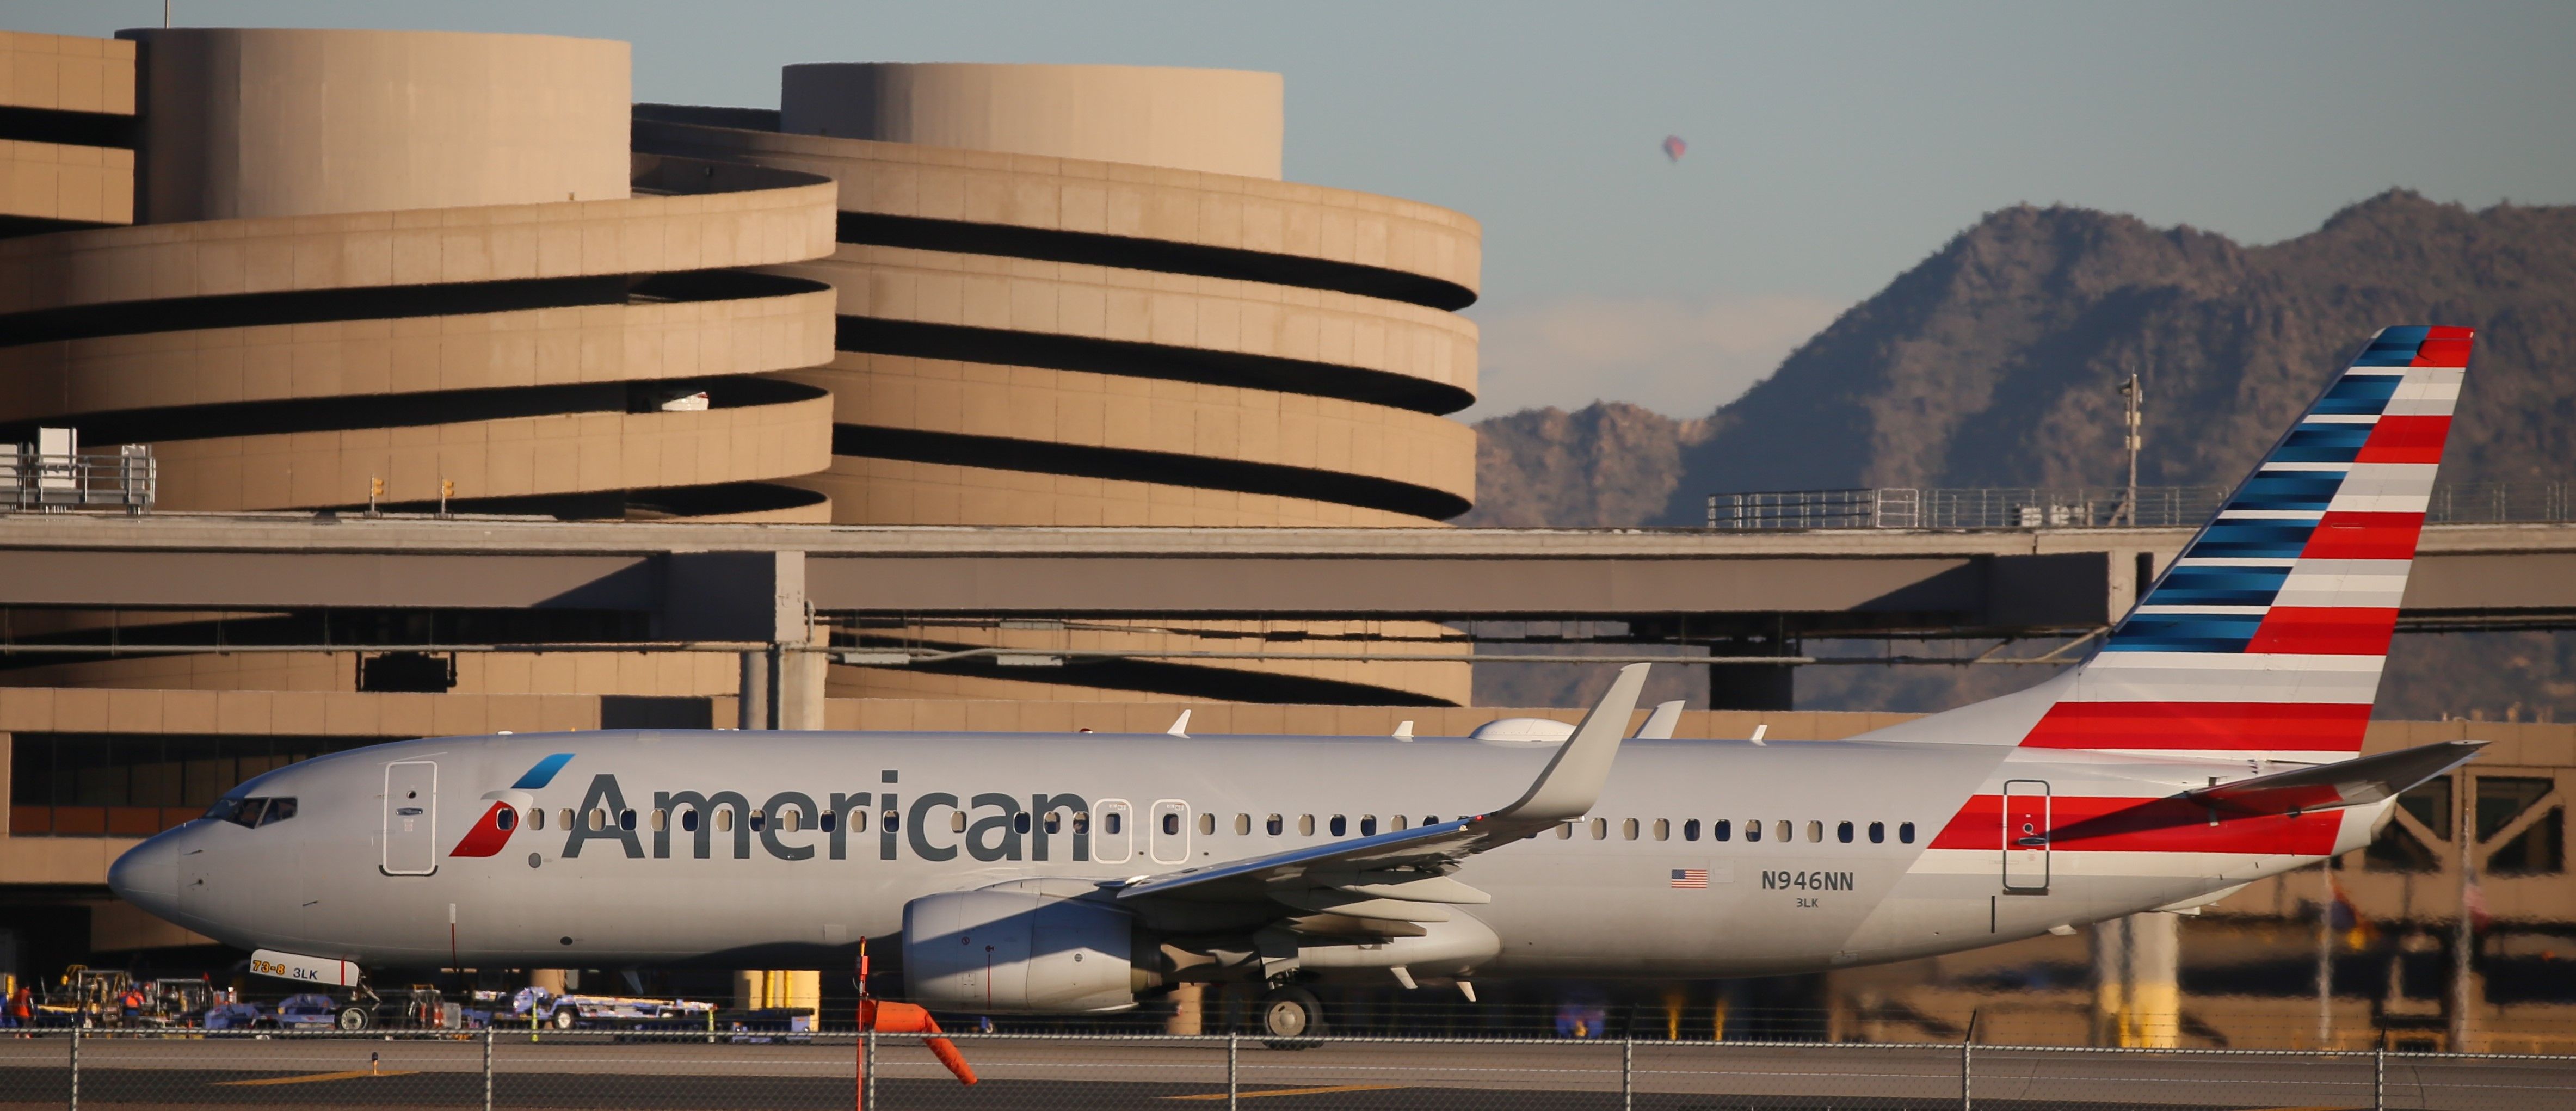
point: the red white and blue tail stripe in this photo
(2266, 637)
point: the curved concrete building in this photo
(396, 265)
(1038, 326)
(401, 267)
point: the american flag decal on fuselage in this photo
(1690, 877)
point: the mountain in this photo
(1610, 464)
(1993, 362)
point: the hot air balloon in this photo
(1674, 147)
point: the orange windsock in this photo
(905, 1018)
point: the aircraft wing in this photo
(1403, 876)
(2345, 783)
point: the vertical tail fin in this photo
(2266, 637)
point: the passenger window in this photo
(1690, 830)
(689, 820)
(1171, 825)
(829, 820)
(1721, 830)
(1055, 821)
(760, 818)
(1431, 819)
(1305, 825)
(1752, 829)
(1020, 822)
(1243, 825)
(1207, 823)
(956, 821)
(724, 819)
(1275, 824)
(566, 815)
(536, 817)
(626, 820)
(1784, 830)
(1564, 830)
(1396, 822)
(1340, 825)
(1663, 829)
(1877, 833)
(1600, 829)
(1905, 833)
(1843, 833)
(661, 820)
(507, 819)
(1082, 821)
(1628, 830)
(1111, 823)
(893, 821)
(598, 820)
(1368, 825)
(791, 819)
(858, 821)
(1815, 831)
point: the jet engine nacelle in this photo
(1003, 950)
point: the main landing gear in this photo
(1290, 1014)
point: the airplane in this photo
(2213, 739)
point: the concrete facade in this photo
(246, 123)
(1218, 120)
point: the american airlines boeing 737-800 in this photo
(2212, 741)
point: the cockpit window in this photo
(252, 812)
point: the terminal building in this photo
(313, 274)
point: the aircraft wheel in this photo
(1291, 1014)
(564, 1019)
(353, 1018)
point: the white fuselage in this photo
(351, 877)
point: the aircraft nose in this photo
(148, 875)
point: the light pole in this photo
(2131, 397)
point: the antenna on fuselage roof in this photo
(1180, 726)
(1758, 731)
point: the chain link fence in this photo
(2011, 507)
(516, 1069)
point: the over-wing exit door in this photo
(2026, 836)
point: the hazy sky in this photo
(1831, 145)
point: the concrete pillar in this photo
(754, 701)
(2110, 976)
(782, 689)
(1189, 1010)
(2137, 986)
(2155, 980)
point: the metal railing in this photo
(127, 479)
(506, 1068)
(2020, 507)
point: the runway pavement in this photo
(1175, 1076)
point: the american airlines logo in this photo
(797, 825)
(492, 831)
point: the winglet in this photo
(1573, 779)
(1180, 726)
(1659, 725)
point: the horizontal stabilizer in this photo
(2347, 783)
